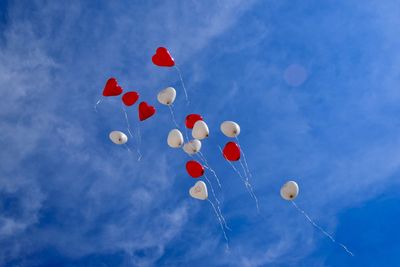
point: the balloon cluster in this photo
(194, 168)
(200, 131)
(112, 88)
(194, 122)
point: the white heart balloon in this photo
(175, 138)
(167, 96)
(192, 147)
(230, 128)
(200, 130)
(199, 191)
(290, 190)
(118, 137)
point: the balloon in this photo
(230, 128)
(118, 137)
(112, 88)
(231, 151)
(192, 147)
(130, 98)
(167, 96)
(145, 111)
(194, 168)
(175, 138)
(162, 58)
(199, 191)
(200, 130)
(191, 120)
(289, 190)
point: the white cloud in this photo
(95, 199)
(56, 162)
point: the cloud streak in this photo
(67, 192)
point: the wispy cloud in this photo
(64, 186)
(75, 192)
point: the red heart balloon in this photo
(145, 111)
(191, 120)
(112, 88)
(194, 168)
(130, 98)
(231, 151)
(162, 58)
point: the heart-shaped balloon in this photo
(167, 96)
(199, 191)
(112, 88)
(145, 111)
(192, 147)
(191, 120)
(290, 190)
(175, 138)
(231, 151)
(130, 98)
(162, 58)
(118, 137)
(230, 128)
(194, 168)
(200, 130)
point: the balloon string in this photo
(320, 229)
(220, 224)
(171, 110)
(130, 133)
(249, 187)
(218, 204)
(97, 103)
(246, 169)
(244, 157)
(203, 158)
(127, 147)
(127, 122)
(212, 189)
(241, 177)
(236, 170)
(186, 134)
(173, 116)
(183, 85)
(246, 176)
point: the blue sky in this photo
(314, 86)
